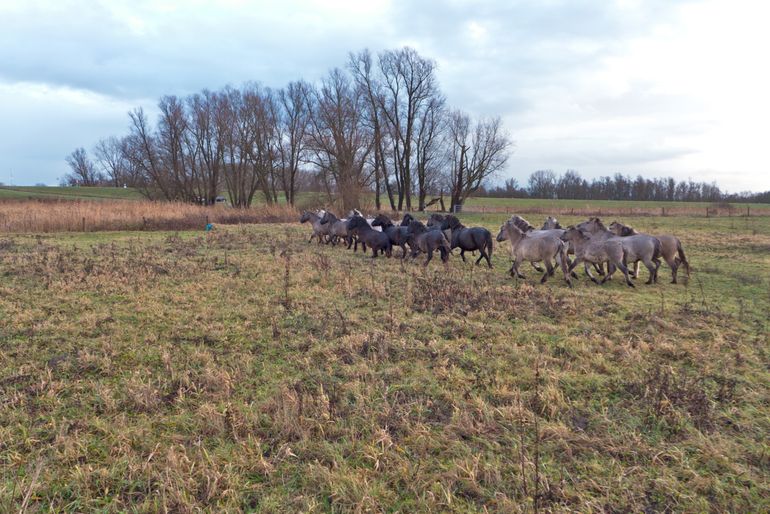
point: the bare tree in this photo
(430, 147)
(84, 172)
(206, 146)
(409, 84)
(542, 184)
(477, 152)
(112, 161)
(141, 149)
(340, 140)
(364, 74)
(292, 126)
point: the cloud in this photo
(653, 87)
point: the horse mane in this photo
(383, 220)
(406, 219)
(452, 221)
(357, 221)
(416, 226)
(627, 231)
(521, 223)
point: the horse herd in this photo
(605, 249)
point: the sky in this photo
(656, 87)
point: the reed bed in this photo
(88, 216)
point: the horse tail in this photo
(489, 245)
(656, 254)
(682, 257)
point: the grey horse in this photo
(319, 231)
(670, 249)
(593, 250)
(640, 247)
(526, 247)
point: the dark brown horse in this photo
(378, 241)
(399, 236)
(427, 241)
(469, 239)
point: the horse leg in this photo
(430, 256)
(462, 254)
(624, 269)
(537, 267)
(586, 267)
(568, 267)
(652, 269)
(674, 265)
(515, 270)
(548, 271)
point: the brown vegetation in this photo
(86, 216)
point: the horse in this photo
(640, 247)
(427, 241)
(356, 212)
(469, 239)
(525, 247)
(319, 230)
(596, 251)
(399, 235)
(551, 223)
(338, 228)
(670, 249)
(378, 241)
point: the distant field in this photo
(71, 193)
(598, 204)
(244, 369)
(511, 205)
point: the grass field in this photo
(308, 200)
(244, 369)
(68, 193)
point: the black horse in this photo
(469, 239)
(378, 241)
(408, 218)
(399, 236)
(427, 241)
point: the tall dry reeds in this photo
(87, 216)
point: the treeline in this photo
(570, 185)
(380, 124)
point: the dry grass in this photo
(246, 370)
(88, 216)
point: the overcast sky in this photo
(654, 87)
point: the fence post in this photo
(748, 211)
(84, 223)
(707, 212)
